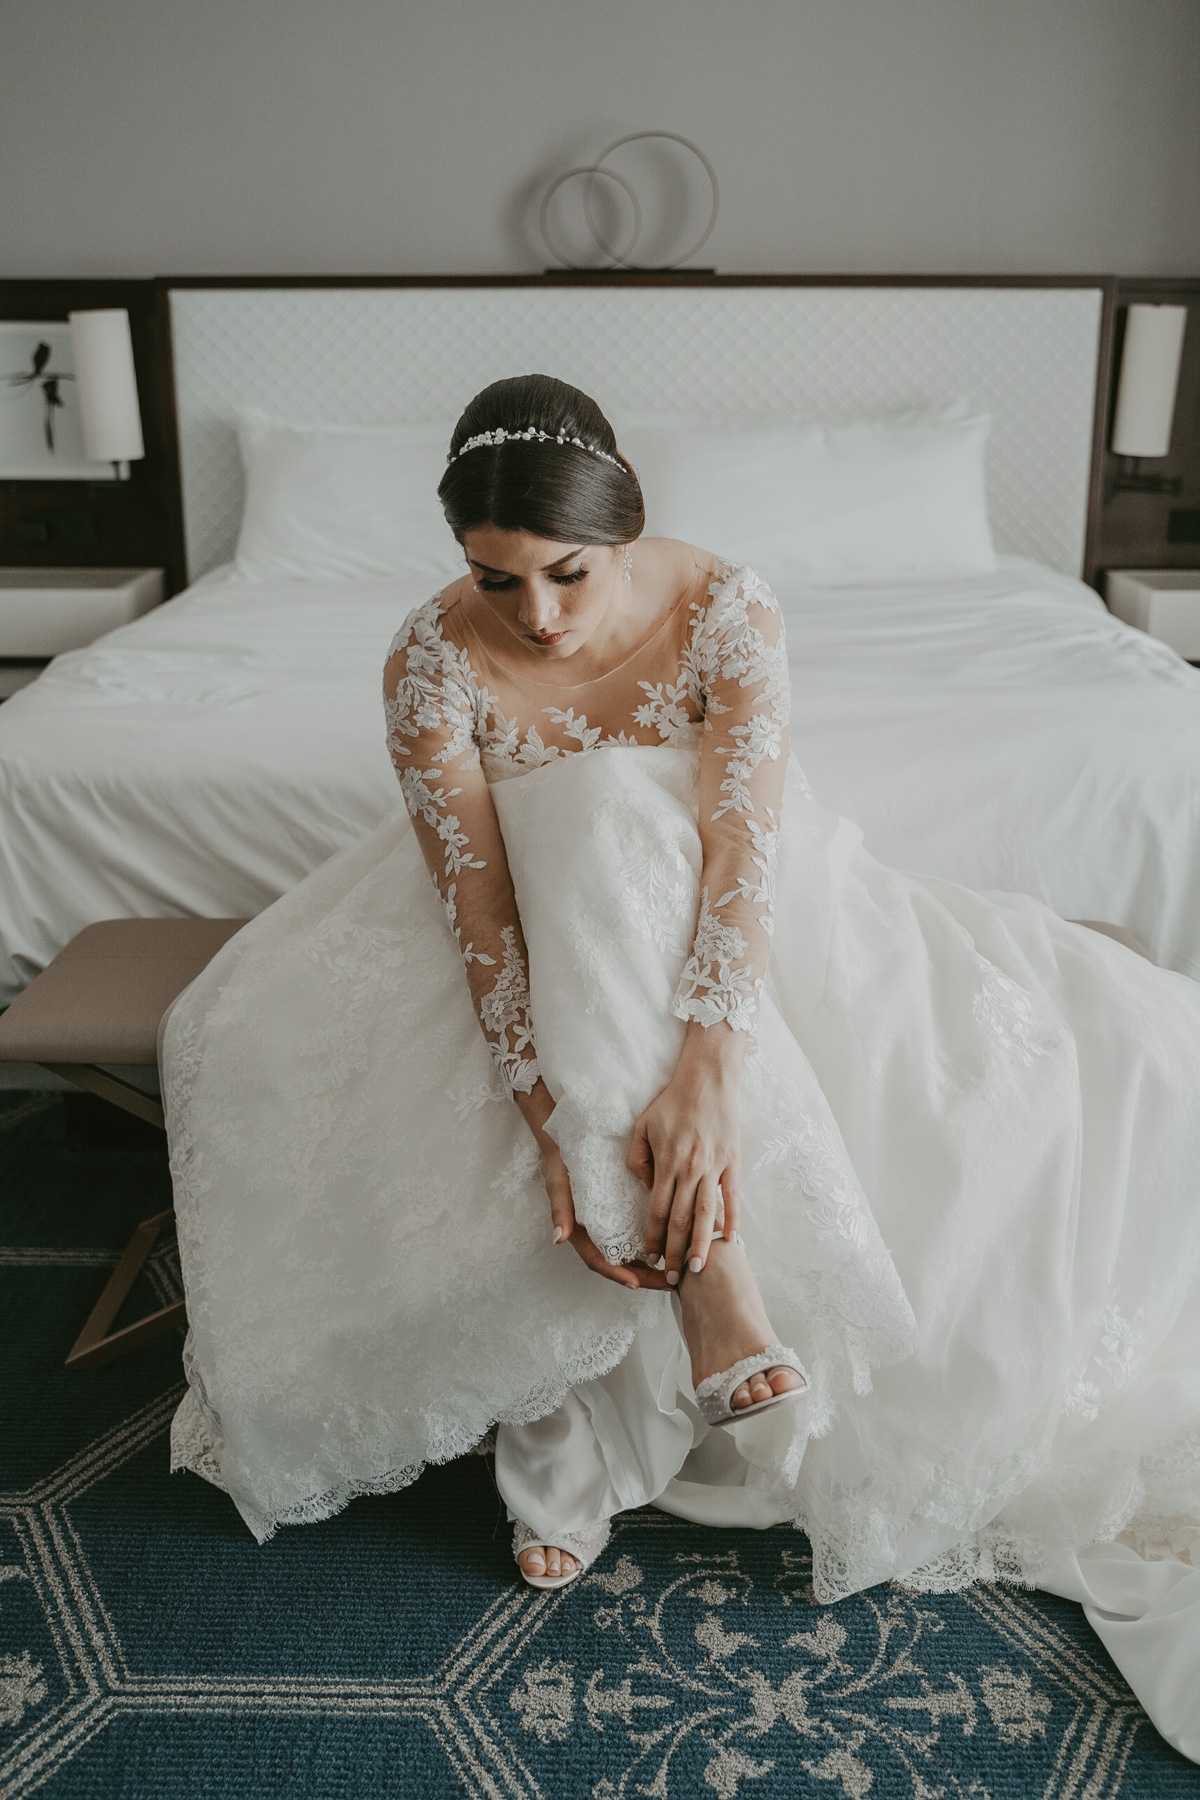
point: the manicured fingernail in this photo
(558, 1234)
(672, 1277)
(695, 1265)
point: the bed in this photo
(198, 762)
(1000, 729)
(1010, 733)
(1006, 732)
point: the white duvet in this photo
(1002, 731)
(1007, 732)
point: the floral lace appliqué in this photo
(765, 859)
(816, 1168)
(437, 702)
(1006, 1009)
(663, 888)
(436, 678)
(506, 1008)
(1113, 1362)
(729, 653)
(716, 985)
(666, 707)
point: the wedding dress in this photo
(970, 1169)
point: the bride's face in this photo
(551, 596)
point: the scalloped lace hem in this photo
(1132, 1510)
(196, 1445)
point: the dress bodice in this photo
(714, 670)
(522, 722)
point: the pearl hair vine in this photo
(488, 440)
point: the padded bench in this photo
(101, 1002)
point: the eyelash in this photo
(502, 587)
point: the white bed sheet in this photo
(1003, 731)
(1007, 732)
(199, 761)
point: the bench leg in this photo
(95, 1346)
(111, 1087)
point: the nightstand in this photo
(1164, 603)
(46, 611)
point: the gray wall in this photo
(311, 136)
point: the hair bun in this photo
(534, 454)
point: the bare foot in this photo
(724, 1320)
(547, 1559)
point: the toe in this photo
(533, 1560)
(760, 1389)
(783, 1379)
(740, 1397)
(553, 1562)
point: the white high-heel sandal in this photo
(584, 1550)
(715, 1393)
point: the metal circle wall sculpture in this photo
(621, 254)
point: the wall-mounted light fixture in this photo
(1145, 410)
(108, 397)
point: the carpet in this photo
(149, 1648)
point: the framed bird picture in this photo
(41, 430)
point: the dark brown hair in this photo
(552, 490)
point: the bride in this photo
(872, 1202)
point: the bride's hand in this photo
(568, 1230)
(536, 1108)
(686, 1147)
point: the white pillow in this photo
(333, 501)
(833, 504)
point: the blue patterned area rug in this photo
(149, 1648)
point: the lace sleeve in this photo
(430, 707)
(738, 664)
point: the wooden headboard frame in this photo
(1107, 286)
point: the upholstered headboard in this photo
(729, 348)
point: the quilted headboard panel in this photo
(348, 354)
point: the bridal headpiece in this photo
(531, 434)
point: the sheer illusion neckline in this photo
(574, 687)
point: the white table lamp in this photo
(108, 397)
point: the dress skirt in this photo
(971, 1196)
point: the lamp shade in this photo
(108, 398)
(1149, 377)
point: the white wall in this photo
(276, 136)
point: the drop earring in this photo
(627, 565)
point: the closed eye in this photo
(503, 587)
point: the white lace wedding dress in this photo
(971, 1147)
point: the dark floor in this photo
(148, 1647)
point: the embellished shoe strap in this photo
(714, 1393)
